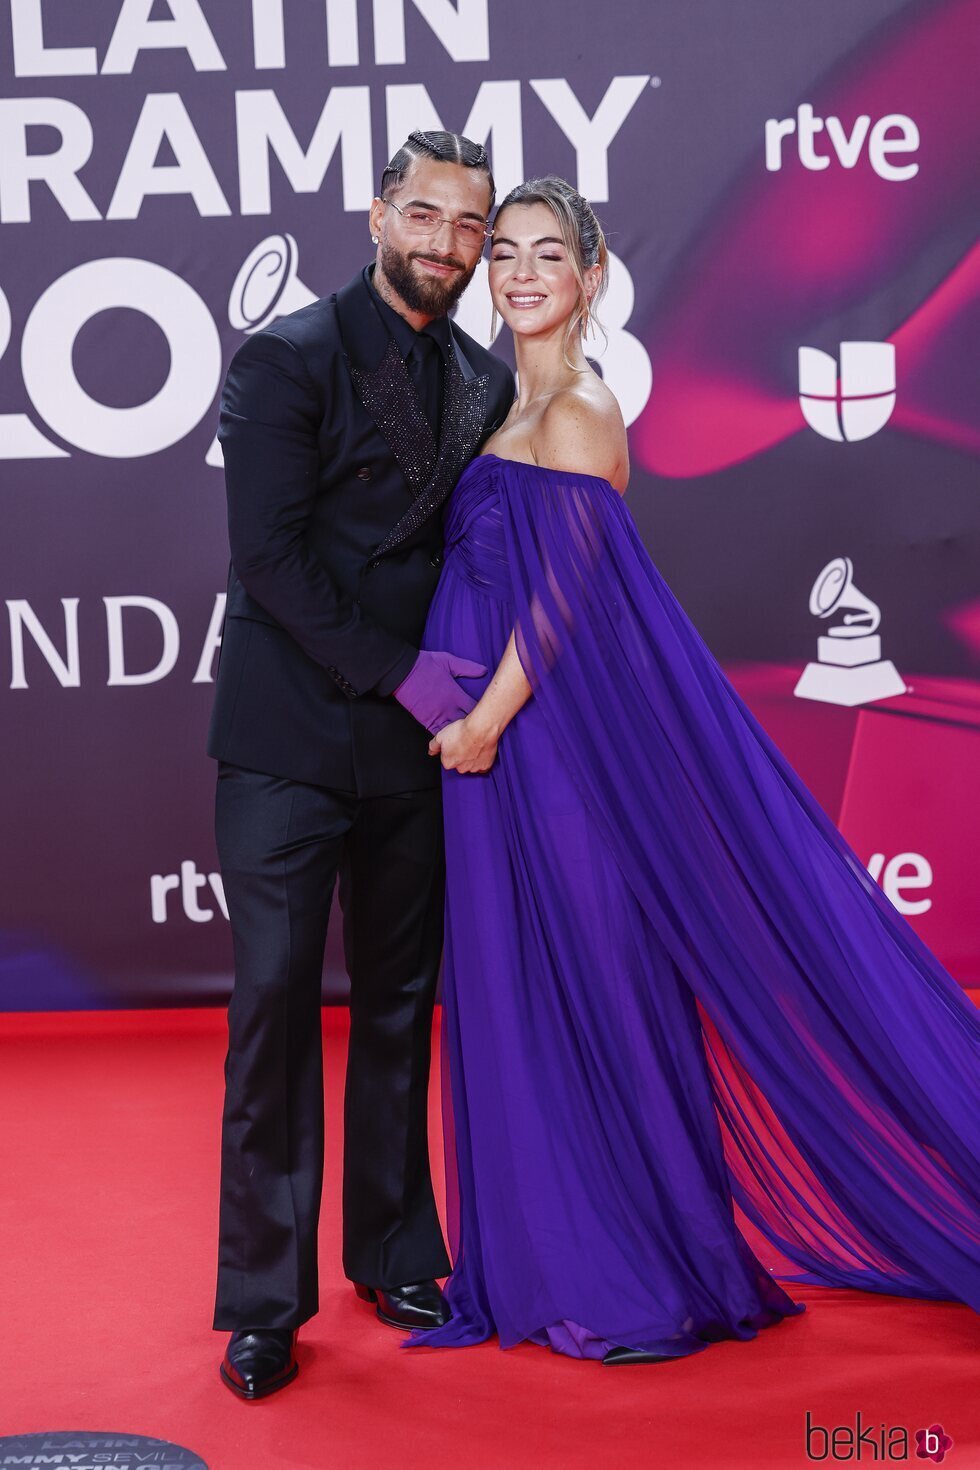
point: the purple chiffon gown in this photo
(689, 1046)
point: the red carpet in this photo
(109, 1153)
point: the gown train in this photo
(688, 1044)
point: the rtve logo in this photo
(188, 882)
(854, 403)
(846, 147)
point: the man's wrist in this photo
(398, 673)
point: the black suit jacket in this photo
(335, 490)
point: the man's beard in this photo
(425, 294)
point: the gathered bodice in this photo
(474, 527)
(475, 522)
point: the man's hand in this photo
(430, 691)
(468, 746)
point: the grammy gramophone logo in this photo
(849, 668)
(266, 288)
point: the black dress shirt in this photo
(424, 353)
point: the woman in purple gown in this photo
(688, 1044)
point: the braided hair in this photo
(444, 148)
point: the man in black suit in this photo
(344, 427)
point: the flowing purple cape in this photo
(843, 1057)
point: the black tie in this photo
(425, 366)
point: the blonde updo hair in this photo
(584, 242)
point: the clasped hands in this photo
(467, 745)
(465, 742)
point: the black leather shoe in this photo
(421, 1304)
(258, 1360)
(619, 1355)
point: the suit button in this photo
(435, 561)
(364, 473)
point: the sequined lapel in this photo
(384, 386)
(464, 409)
(390, 397)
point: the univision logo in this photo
(855, 402)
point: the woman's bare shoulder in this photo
(582, 429)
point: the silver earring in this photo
(374, 239)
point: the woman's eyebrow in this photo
(544, 240)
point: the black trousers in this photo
(281, 845)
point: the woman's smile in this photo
(523, 300)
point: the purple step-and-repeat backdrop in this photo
(791, 198)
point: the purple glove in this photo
(430, 691)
